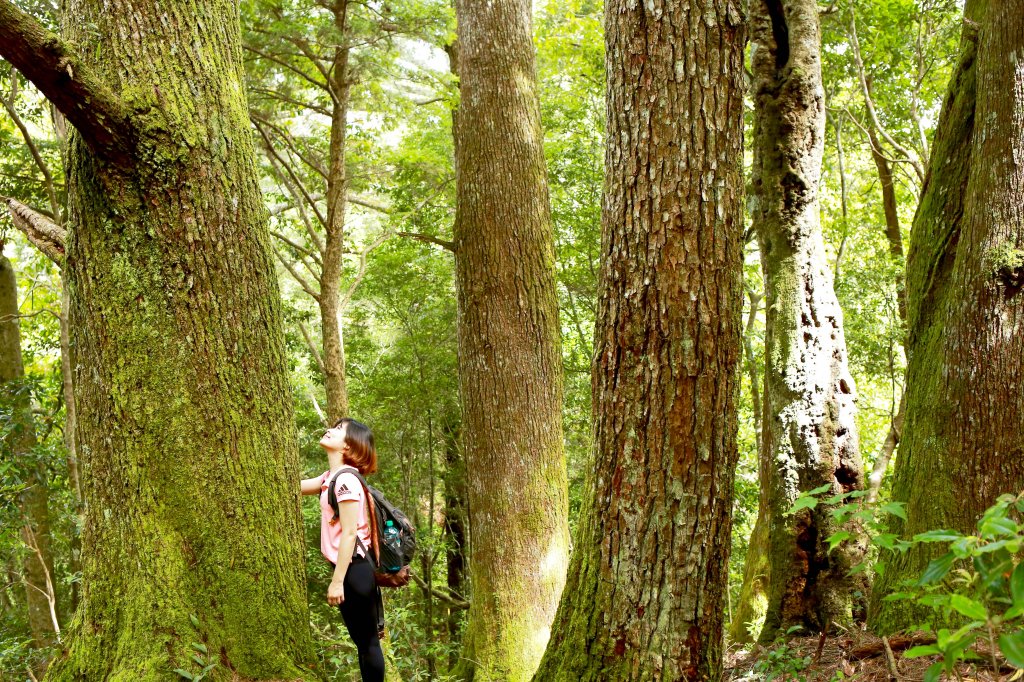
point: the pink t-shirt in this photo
(347, 487)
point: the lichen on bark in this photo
(809, 437)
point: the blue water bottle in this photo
(393, 541)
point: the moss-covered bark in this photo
(809, 438)
(17, 444)
(510, 367)
(963, 441)
(646, 589)
(184, 429)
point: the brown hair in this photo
(361, 452)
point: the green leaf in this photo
(836, 538)
(802, 503)
(198, 659)
(894, 508)
(195, 621)
(1013, 612)
(1012, 646)
(858, 568)
(937, 569)
(899, 596)
(1017, 585)
(919, 651)
(997, 526)
(184, 673)
(817, 491)
(938, 536)
(885, 540)
(933, 673)
(200, 647)
(968, 607)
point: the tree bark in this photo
(185, 431)
(334, 242)
(809, 435)
(510, 367)
(33, 502)
(963, 442)
(645, 598)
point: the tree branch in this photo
(301, 249)
(368, 202)
(870, 104)
(33, 149)
(274, 156)
(45, 234)
(429, 239)
(298, 278)
(362, 270)
(454, 602)
(65, 80)
(314, 351)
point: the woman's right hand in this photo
(336, 593)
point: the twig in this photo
(450, 598)
(890, 660)
(821, 642)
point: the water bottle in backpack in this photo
(393, 539)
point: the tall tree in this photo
(184, 418)
(510, 369)
(964, 429)
(646, 588)
(19, 438)
(809, 438)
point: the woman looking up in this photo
(345, 539)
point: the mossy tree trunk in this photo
(18, 443)
(809, 438)
(185, 430)
(645, 598)
(510, 367)
(963, 442)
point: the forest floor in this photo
(858, 656)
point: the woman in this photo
(345, 540)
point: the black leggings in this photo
(360, 613)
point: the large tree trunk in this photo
(646, 589)
(809, 436)
(185, 430)
(510, 365)
(963, 443)
(18, 442)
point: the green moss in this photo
(1004, 258)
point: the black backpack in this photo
(393, 553)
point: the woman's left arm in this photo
(348, 517)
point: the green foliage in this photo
(200, 657)
(781, 661)
(973, 590)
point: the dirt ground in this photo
(852, 656)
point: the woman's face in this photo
(334, 439)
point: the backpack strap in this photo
(332, 500)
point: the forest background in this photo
(382, 248)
